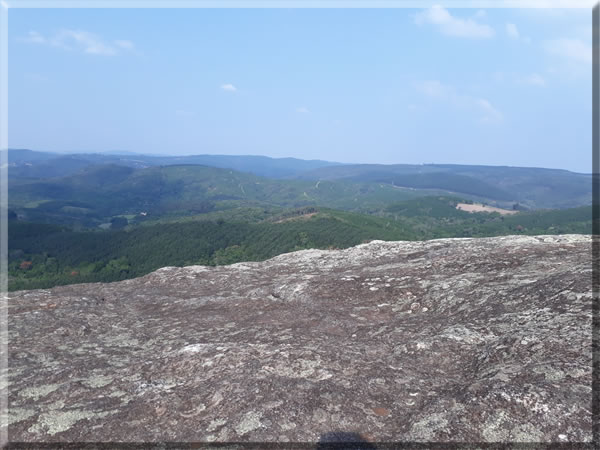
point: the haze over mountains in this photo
(531, 187)
(104, 217)
(409, 263)
(28, 163)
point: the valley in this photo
(110, 220)
(273, 225)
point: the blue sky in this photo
(466, 86)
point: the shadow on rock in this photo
(343, 440)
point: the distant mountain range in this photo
(531, 188)
(100, 217)
(34, 164)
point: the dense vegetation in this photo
(97, 217)
(44, 255)
(88, 190)
(98, 193)
(438, 180)
(531, 187)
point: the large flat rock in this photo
(444, 340)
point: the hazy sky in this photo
(495, 86)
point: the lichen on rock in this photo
(463, 340)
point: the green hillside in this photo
(533, 188)
(43, 255)
(99, 193)
(107, 222)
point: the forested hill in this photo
(33, 164)
(97, 194)
(530, 186)
(77, 218)
(533, 188)
(43, 255)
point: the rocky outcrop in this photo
(444, 340)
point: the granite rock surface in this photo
(462, 340)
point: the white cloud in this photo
(33, 37)
(440, 92)
(512, 31)
(302, 110)
(575, 50)
(127, 45)
(534, 80)
(453, 26)
(490, 114)
(228, 87)
(79, 40)
(89, 42)
(432, 88)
